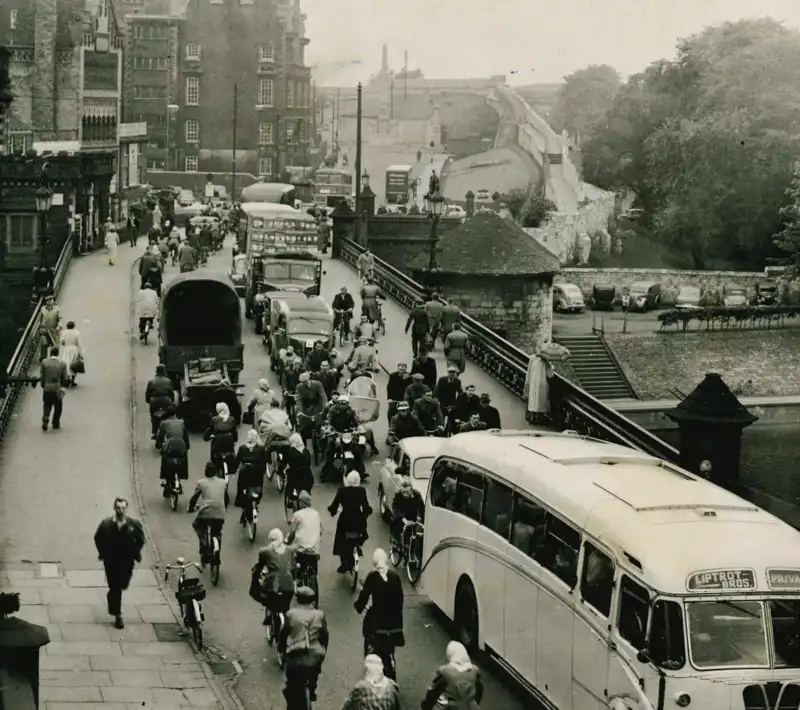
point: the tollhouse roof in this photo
(712, 401)
(487, 244)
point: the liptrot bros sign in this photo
(100, 71)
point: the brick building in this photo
(186, 61)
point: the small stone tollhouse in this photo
(499, 275)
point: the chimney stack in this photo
(385, 60)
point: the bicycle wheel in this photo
(307, 698)
(252, 525)
(354, 571)
(342, 337)
(395, 553)
(383, 325)
(280, 480)
(197, 635)
(271, 466)
(413, 562)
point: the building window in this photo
(18, 231)
(192, 131)
(266, 53)
(290, 94)
(289, 51)
(265, 133)
(193, 52)
(12, 19)
(190, 164)
(289, 161)
(155, 164)
(265, 166)
(265, 92)
(156, 63)
(289, 132)
(150, 92)
(192, 91)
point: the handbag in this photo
(78, 366)
(247, 417)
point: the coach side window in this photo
(469, 493)
(497, 507)
(597, 580)
(443, 484)
(559, 551)
(527, 525)
(634, 610)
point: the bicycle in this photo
(381, 321)
(344, 327)
(212, 545)
(290, 502)
(356, 538)
(250, 512)
(304, 423)
(175, 489)
(379, 645)
(306, 576)
(190, 593)
(408, 548)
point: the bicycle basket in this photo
(191, 589)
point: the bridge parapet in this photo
(571, 406)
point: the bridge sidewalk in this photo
(55, 487)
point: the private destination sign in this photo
(783, 579)
(722, 580)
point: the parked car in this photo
(734, 295)
(689, 296)
(766, 292)
(567, 298)
(185, 198)
(238, 274)
(645, 296)
(455, 211)
(633, 214)
(418, 453)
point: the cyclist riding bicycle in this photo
(305, 534)
(299, 476)
(364, 329)
(311, 401)
(160, 396)
(289, 379)
(273, 418)
(343, 306)
(383, 623)
(271, 582)
(341, 418)
(429, 413)
(303, 644)
(223, 433)
(172, 441)
(210, 494)
(408, 506)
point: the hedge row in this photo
(724, 317)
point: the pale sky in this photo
(543, 41)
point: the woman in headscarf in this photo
(383, 622)
(271, 581)
(374, 691)
(251, 465)
(351, 528)
(112, 241)
(299, 476)
(222, 432)
(457, 685)
(71, 350)
(259, 401)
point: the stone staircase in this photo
(596, 367)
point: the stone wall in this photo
(563, 232)
(755, 363)
(399, 239)
(68, 89)
(670, 279)
(518, 309)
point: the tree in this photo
(707, 141)
(585, 98)
(788, 238)
(536, 210)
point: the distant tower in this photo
(385, 60)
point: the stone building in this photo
(190, 61)
(498, 275)
(65, 70)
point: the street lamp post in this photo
(434, 202)
(43, 273)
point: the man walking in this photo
(55, 379)
(119, 541)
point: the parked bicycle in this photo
(190, 594)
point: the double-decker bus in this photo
(602, 577)
(331, 186)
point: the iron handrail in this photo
(509, 365)
(28, 346)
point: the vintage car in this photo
(689, 296)
(603, 296)
(734, 295)
(766, 292)
(200, 340)
(238, 274)
(265, 299)
(644, 296)
(418, 454)
(567, 298)
(300, 324)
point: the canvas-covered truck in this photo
(398, 184)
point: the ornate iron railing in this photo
(504, 361)
(28, 347)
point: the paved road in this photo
(570, 324)
(233, 620)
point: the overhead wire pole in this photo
(405, 76)
(358, 164)
(235, 122)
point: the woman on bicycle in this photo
(375, 690)
(251, 465)
(299, 476)
(383, 622)
(223, 433)
(271, 581)
(457, 685)
(351, 528)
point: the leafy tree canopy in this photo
(707, 140)
(585, 98)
